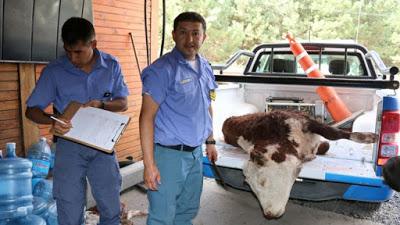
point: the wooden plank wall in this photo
(10, 120)
(44, 130)
(113, 20)
(27, 81)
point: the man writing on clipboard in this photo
(93, 78)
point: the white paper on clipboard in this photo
(95, 127)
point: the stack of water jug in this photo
(25, 193)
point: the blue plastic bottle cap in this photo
(11, 145)
(10, 148)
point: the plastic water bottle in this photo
(53, 154)
(15, 185)
(27, 220)
(52, 216)
(36, 180)
(40, 154)
(44, 189)
(40, 207)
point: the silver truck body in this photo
(349, 170)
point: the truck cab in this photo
(274, 80)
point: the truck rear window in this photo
(329, 64)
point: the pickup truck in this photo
(272, 79)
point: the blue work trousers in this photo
(177, 200)
(73, 164)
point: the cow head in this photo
(272, 182)
(275, 161)
(278, 144)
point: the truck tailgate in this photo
(346, 162)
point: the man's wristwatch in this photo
(210, 142)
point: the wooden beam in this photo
(30, 130)
(154, 30)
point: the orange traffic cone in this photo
(328, 95)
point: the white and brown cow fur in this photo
(279, 143)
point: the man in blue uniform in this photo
(175, 121)
(93, 78)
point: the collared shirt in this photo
(61, 82)
(183, 96)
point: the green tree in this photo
(238, 24)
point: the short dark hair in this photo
(77, 29)
(190, 17)
(391, 173)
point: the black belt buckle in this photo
(184, 148)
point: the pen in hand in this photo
(61, 127)
(58, 120)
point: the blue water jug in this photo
(40, 155)
(15, 185)
(40, 207)
(52, 216)
(26, 220)
(44, 189)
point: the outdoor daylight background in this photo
(243, 24)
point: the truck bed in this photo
(345, 161)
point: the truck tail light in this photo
(389, 137)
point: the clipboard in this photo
(94, 127)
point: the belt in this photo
(184, 148)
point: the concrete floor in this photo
(233, 207)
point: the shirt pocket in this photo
(185, 85)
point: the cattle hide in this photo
(279, 143)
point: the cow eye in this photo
(263, 182)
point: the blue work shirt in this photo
(61, 82)
(183, 96)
